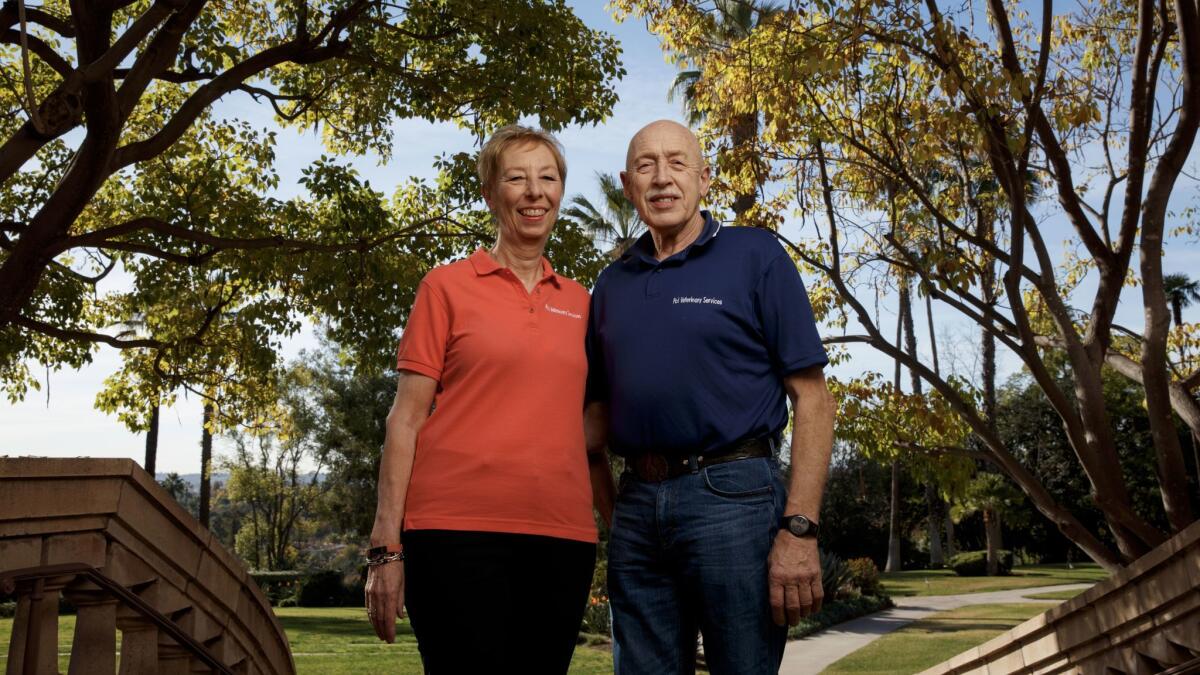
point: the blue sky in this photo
(60, 420)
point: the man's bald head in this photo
(665, 176)
(661, 130)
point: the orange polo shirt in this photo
(503, 449)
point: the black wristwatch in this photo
(800, 526)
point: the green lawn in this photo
(926, 643)
(946, 582)
(339, 641)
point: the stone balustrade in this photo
(104, 535)
(1143, 619)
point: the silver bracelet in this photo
(385, 559)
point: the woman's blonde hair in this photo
(507, 137)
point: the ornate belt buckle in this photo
(654, 468)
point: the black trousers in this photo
(492, 602)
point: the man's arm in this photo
(794, 565)
(595, 431)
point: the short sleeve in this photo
(597, 377)
(423, 344)
(789, 329)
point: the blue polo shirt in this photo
(690, 352)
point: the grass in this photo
(946, 582)
(339, 641)
(930, 641)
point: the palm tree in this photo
(615, 222)
(735, 20)
(1181, 292)
(999, 501)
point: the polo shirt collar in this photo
(485, 264)
(643, 248)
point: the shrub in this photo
(864, 575)
(324, 589)
(278, 585)
(835, 574)
(837, 611)
(974, 563)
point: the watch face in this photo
(799, 525)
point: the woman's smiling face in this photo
(526, 195)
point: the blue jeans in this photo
(690, 554)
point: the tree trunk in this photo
(1172, 475)
(152, 443)
(950, 550)
(991, 528)
(934, 501)
(932, 519)
(206, 465)
(745, 133)
(1177, 309)
(893, 559)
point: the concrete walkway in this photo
(813, 654)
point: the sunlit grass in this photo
(930, 641)
(946, 582)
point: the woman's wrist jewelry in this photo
(385, 559)
(381, 555)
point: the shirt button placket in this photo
(652, 282)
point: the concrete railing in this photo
(104, 535)
(1143, 619)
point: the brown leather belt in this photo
(652, 467)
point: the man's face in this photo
(664, 176)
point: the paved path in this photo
(813, 654)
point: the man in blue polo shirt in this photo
(698, 337)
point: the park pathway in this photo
(813, 654)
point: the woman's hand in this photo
(385, 598)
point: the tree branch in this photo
(39, 47)
(106, 238)
(9, 18)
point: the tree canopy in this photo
(125, 194)
(944, 145)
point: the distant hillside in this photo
(193, 479)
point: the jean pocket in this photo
(744, 479)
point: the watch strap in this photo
(378, 551)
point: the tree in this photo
(265, 475)
(855, 92)
(729, 21)
(181, 491)
(1181, 292)
(992, 495)
(615, 222)
(133, 416)
(115, 159)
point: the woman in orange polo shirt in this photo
(490, 491)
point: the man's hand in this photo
(794, 578)
(385, 598)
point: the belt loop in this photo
(694, 463)
(773, 443)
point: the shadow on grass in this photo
(963, 625)
(335, 626)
